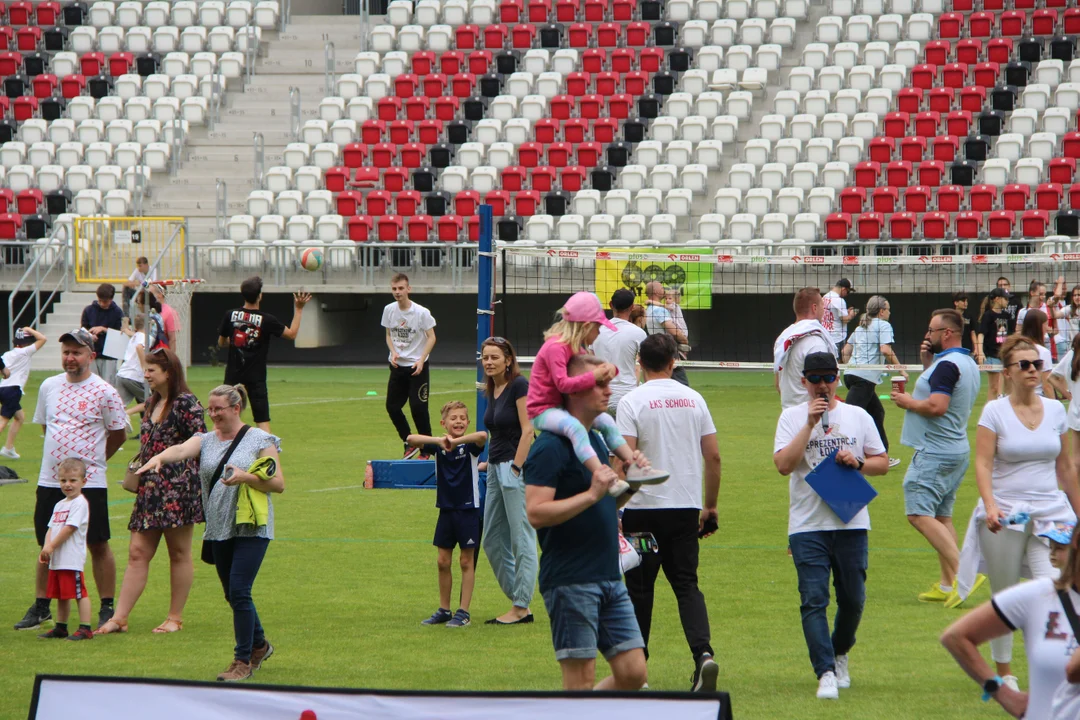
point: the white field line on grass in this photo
(343, 487)
(369, 397)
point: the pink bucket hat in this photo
(585, 307)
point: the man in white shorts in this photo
(620, 347)
(410, 337)
(671, 424)
(82, 417)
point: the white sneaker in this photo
(1011, 682)
(9, 453)
(843, 678)
(618, 488)
(827, 688)
(646, 475)
(893, 462)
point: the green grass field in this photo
(352, 573)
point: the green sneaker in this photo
(934, 594)
(955, 601)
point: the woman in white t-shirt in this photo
(1021, 466)
(1034, 608)
(1065, 378)
(1035, 328)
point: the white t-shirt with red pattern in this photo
(70, 554)
(77, 419)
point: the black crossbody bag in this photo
(1070, 612)
(208, 545)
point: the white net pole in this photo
(178, 296)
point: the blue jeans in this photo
(590, 617)
(237, 562)
(844, 554)
(509, 540)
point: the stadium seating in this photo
(98, 96)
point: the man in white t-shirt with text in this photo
(821, 543)
(410, 337)
(82, 417)
(620, 347)
(672, 421)
(837, 312)
(804, 336)
(17, 362)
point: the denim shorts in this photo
(931, 482)
(995, 364)
(590, 617)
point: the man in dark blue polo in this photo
(578, 528)
(98, 317)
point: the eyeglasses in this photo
(1028, 364)
(815, 379)
(933, 330)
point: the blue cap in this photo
(1061, 533)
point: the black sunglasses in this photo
(815, 379)
(1028, 364)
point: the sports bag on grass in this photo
(208, 545)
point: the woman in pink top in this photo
(579, 327)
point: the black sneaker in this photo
(705, 675)
(34, 618)
(461, 619)
(105, 614)
(82, 634)
(410, 452)
(54, 634)
(440, 616)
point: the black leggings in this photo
(405, 387)
(863, 393)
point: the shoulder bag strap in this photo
(225, 458)
(1070, 611)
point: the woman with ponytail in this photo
(871, 344)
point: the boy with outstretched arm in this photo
(457, 482)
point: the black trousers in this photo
(405, 387)
(679, 375)
(676, 533)
(863, 393)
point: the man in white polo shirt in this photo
(671, 421)
(620, 346)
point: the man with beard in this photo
(935, 425)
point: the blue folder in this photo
(843, 488)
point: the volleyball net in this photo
(735, 305)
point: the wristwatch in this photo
(991, 686)
(515, 468)
(861, 463)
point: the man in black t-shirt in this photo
(246, 332)
(960, 304)
(578, 528)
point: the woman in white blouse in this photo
(1036, 609)
(1021, 466)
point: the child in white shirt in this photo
(65, 552)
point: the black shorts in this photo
(97, 530)
(459, 528)
(258, 399)
(9, 401)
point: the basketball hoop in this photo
(178, 295)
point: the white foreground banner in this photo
(137, 699)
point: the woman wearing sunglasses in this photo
(1036, 328)
(1021, 466)
(509, 540)
(168, 502)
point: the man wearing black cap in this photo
(837, 313)
(995, 326)
(620, 347)
(83, 418)
(821, 543)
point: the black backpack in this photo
(7, 473)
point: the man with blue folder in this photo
(822, 543)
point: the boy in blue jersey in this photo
(457, 488)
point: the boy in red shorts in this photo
(65, 552)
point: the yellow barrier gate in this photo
(106, 247)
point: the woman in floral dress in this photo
(168, 502)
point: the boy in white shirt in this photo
(410, 337)
(821, 543)
(130, 377)
(65, 552)
(17, 361)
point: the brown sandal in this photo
(119, 624)
(169, 626)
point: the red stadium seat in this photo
(982, 197)
(1048, 196)
(885, 199)
(407, 202)
(419, 228)
(1033, 223)
(917, 199)
(852, 200)
(360, 228)
(969, 225)
(935, 225)
(950, 198)
(838, 226)
(1001, 223)
(389, 228)
(448, 228)
(868, 226)
(902, 225)
(1015, 197)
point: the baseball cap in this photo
(1059, 532)
(79, 336)
(846, 284)
(622, 299)
(820, 362)
(999, 292)
(23, 338)
(585, 307)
